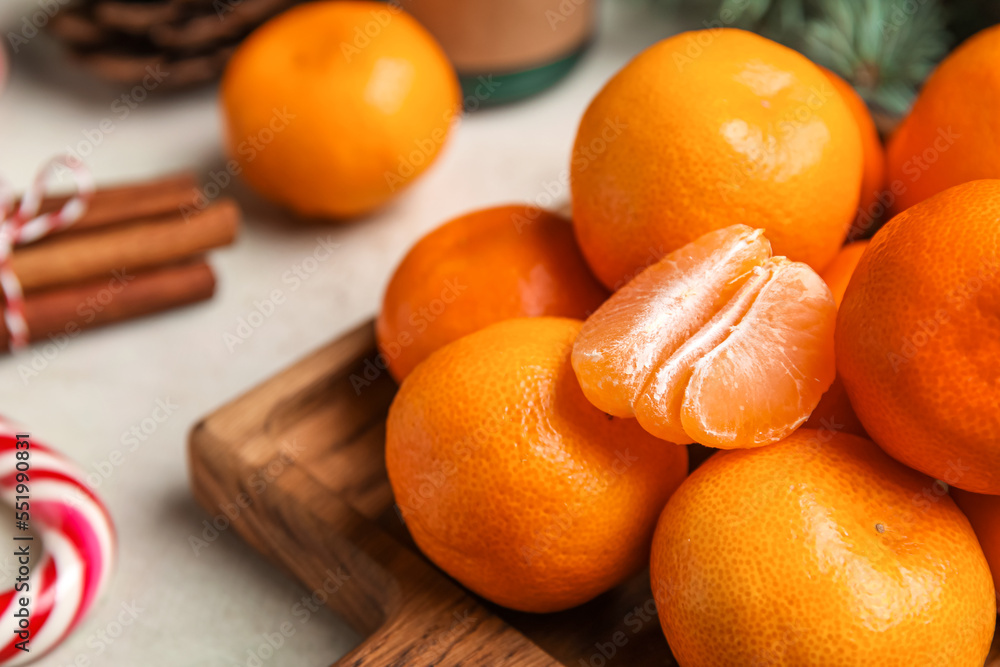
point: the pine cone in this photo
(179, 42)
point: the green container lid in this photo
(485, 90)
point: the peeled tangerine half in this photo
(717, 343)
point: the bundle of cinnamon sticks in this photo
(138, 249)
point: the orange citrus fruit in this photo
(918, 337)
(952, 133)
(873, 174)
(814, 552)
(511, 482)
(717, 343)
(840, 270)
(332, 108)
(834, 413)
(707, 129)
(480, 268)
(983, 513)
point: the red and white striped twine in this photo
(25, 225)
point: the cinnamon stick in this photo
(72, 258)
(63, 313)
(122, 203)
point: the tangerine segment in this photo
(718, 343)
(766, 378)
(662, 309)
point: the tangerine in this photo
(952, 133)
(677, 145)
(840, 270)
(834, 413)
(812, 552)
(512, 482)
(983, 513)
(918, 337)
(326, 127)
(873, 180)
(480, 268)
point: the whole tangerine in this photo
(707, 129)
(918, 337)
(952, 133)
(483, 267)
(333, 108)
(813, 552)
(512, 482)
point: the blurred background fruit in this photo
(520, 46)
(717, 343)
(918, 337)
(952, 134)
(483, 267)
(333, 108)
(511, 482)
(825, 523)
(707, 129)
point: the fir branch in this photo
(885, 48)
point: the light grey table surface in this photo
(216, 607)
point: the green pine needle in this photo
(885, 48)
(747, 13)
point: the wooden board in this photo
(298, 461)
(300, 458)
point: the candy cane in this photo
(73, 548)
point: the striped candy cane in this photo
(73, 549)
(25, 225)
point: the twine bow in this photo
(25, 225)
